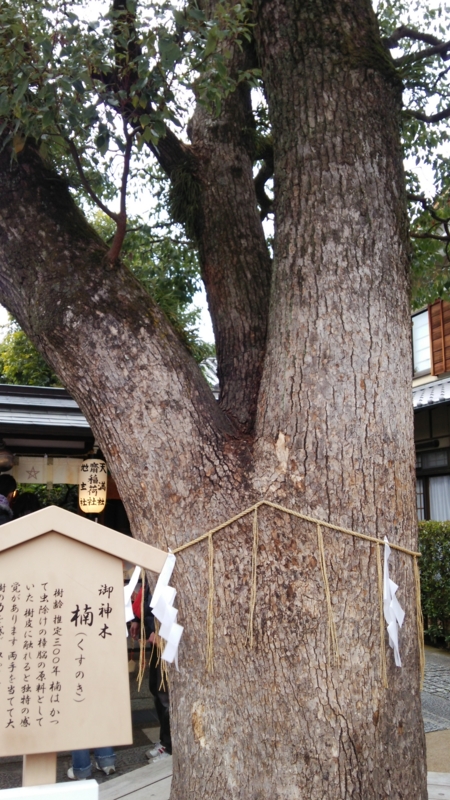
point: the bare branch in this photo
(121, 222)
(170, 152)
(440, 222)
(441, 50)
(426, 205)
(403, 32)
(430, 236)
(430, 118)
(87, 186)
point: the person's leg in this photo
(105, 759)
(162, 699)
(81, 765)
(162, 706)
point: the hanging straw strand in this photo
(383, 667)
(253, 584)
(141, 670)
(210, 615)
(332, 637)
(419, 619)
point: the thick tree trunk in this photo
(333, 430)
(213, 193)
(235, 261)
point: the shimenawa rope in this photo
(332, 635)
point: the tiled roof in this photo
(37, 406)
(44, 416)
(36, 400)
(38, 420)
(431, 393)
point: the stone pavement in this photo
(436, 690)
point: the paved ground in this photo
(435, 709)
(436, 690)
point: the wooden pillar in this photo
(39, 769)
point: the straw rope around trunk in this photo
(332, 634)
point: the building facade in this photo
(431, 401)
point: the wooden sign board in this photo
(63, 657)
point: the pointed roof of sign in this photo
(82, 530)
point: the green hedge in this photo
(434, 544)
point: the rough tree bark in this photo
(330, 435)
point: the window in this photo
(420, 499)
(439, 491)
(433, 485)
(437, 458)
(421, 343)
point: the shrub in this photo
(434, 544)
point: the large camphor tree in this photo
(312, 340)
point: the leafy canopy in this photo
(99, 87)
(20, 362)
(418, 35)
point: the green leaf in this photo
(211, 42)
(21, 89)
(169, 52)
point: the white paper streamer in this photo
(162, 606)
(164, 578)
(127, 592)
(393, 612)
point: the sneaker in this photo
(155, 751)
(107, 770)
(72, 776)
(161, 756)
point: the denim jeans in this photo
(81, 761)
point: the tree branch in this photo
(441, 50)
(170, 152)
(79, 311)
(430, 236)
(121, 222)
(429, 118)
(426, 205)
(403, 32)
(87, 186)
(440, 221)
